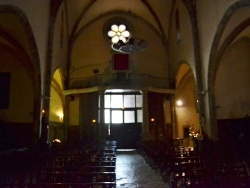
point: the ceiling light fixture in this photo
(132, 46)
(118, 33)
(122, 40)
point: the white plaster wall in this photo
(182, 51)
(74, 112)
(21, 99)
(208, 20)
(90, 50)
(60, 51)
(74, 9)
(185, 47)
(232, 82)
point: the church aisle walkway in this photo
(133, 172)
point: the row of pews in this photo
(90, 167)
(182, 167)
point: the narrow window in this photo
(177, 26)
(62, 29)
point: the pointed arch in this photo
(23, 47)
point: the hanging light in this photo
(131, 46)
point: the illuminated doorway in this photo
(123, 116)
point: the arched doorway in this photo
(186, 107)
(57, 101)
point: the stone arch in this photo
(187, 115)
(57, 104)
(216, 54)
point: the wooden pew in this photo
(68, 168)
(76, 177)
(74, 185)
(184, 171)
(78, 168)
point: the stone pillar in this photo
(44, 129)
(66, 118)
(145, 135)
(173, 116)
(83, 122)
(44, 124)
(101, 125)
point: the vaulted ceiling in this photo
(89, 47)
(153, 13)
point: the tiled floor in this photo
(133, 172)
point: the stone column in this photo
(101, 125)
(83, 122)
(145, 135)
(173, 116)
(66, 118)
(44, 129)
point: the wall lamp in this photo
(179, 103)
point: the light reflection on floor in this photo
(133, 172)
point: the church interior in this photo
(83, 80)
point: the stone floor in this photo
(133, 172)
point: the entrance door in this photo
(123, 115)
(126, 134)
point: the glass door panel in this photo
(107, 115)
(116, 101)
(129, 101)
(116, 116)
(139, 116)
(129, 117)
